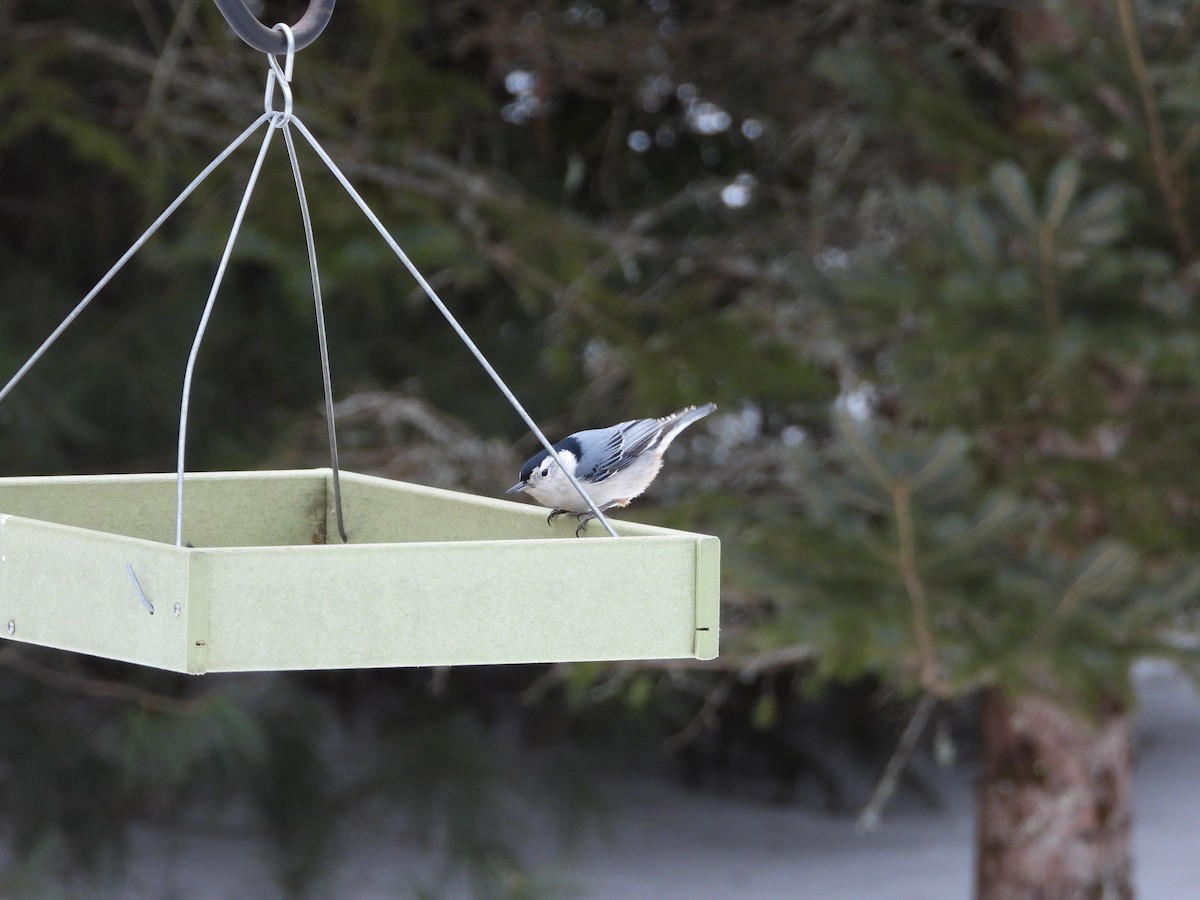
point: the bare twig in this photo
(168, 59)
(705, 718)
(872, 813)
(781, 658)
(906, 561)
(1164, 173)
(428, 174)
(1048, 276)
(12, 657)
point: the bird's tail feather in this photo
(676, 422)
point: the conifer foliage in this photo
(936, 263)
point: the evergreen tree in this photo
(934, 261)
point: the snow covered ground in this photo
(1166, 834)
(686, 845)
(662, 841)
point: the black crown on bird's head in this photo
(570, 444)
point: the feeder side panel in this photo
(69, 588)
(708, 597)
(451, 604)
(225, 509)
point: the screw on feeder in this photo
(12, 627)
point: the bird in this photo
(614, 465)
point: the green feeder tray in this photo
(428, 577)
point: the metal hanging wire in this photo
(282, 119)
(128, 255)
(185, 402)
(449, 317)
(280, 78)
(323, 341)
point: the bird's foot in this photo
(555, 514)
(586, 517)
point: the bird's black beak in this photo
(518, 487)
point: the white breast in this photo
(555, 490)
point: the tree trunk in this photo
(1054, 803)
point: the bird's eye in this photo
(545, 472)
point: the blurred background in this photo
(936, 262)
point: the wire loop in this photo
(283, 77)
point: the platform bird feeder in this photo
(428, 577)
(323, 569)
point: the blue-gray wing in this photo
(626, 442)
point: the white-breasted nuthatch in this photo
(614, 464)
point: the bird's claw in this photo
(584, 518)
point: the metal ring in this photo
(260, 37)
